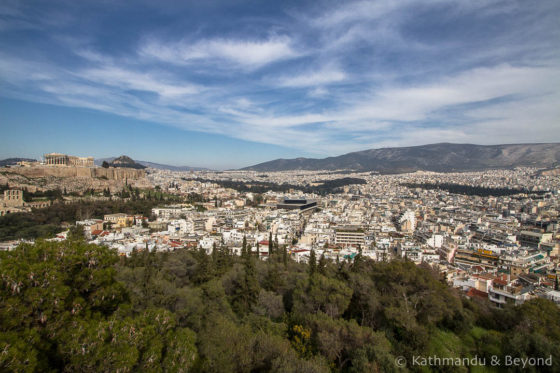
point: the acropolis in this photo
(57, 159)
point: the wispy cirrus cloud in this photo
(247, 53)
(311, 78)
(323, 78)
(350, 12)
(126, 79)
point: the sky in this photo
(227, 84)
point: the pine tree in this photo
(214, 254)
(270, 246)
(147, 263)
(244, 247)
(357, 260)
(322, 264)
(272, 279)
(246, 294)
(252, 285)
(76, 233)
(285, 256)
(204, 268)
(312, 263)
(258, 249)
(225, 258)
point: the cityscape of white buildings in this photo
(502, 248)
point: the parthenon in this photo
(57, 159)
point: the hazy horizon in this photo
(106, 158)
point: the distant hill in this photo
(99, 161)
(171, 168)
(442, 157)
(124, 162)
(158, 166)
(13, 161)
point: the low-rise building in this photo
(349, 236)
(119, 220)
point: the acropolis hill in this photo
(70, 172)
(76, 171)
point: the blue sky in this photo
(226, 84)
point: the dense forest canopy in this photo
(325, 186)
(471, 190)
(73, 306)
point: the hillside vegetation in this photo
(72, 306)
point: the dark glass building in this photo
(297, 204)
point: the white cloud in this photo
(318, 92)
(246, 53)
(92, 55)
(126, 79)
(359, 11)
(477, 85)
(324, 76)
(533, 92)
(531, 115)
(355, 11)
(350, 95)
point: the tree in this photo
(270, 245)
(244, 246)
(105, 164)
(322, 267)
(269, 304)
(272, 281)
(364, 305)
(76, 232)
(204, 268)
(534, 331)
(215, 255)
(48, 289)
(312, 263)
(68, 306)
(145, 343)
(346, 344)
(357, 260)
(224, 261)
(247, 289)
(285, 256)
(323, 294)
(231, 347)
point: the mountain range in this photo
(13, 161)
(441, 157)
(158, 166)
